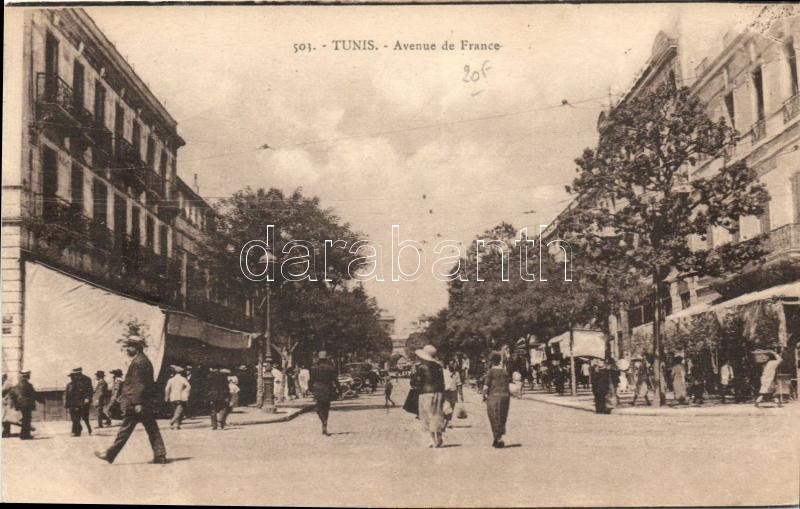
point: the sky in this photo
(407, 138)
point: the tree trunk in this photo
(657, 346)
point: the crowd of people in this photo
(689, 381)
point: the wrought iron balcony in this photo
(168, 210)
(784, 238)
(758, 131)
(55, 104)
(60, 212)
(791, 108)
(128, 166)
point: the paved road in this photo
(378, 457)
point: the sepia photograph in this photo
(401, 255)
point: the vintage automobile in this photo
(346, 386)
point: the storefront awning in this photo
(586, 343)
(70, 323)
(189, 326)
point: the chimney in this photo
(196, 185)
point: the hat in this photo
(427, 353)
(322, 355)
(24, 373)
(225, 371)
(135, 340)
(100, 373)
(117, 372)
(177, 369)
(76, 371)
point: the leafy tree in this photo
(309, 314)
(636, 201)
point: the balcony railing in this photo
(758, 131)
(784, 238)
(128, 166)
(791, 108)
(168, 210)
(55, 100)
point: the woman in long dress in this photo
(429, 381)
(768, 377)
(679, 381)
(498, 397)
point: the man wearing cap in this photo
(100, 399)
(323, 384)
(177, 394)
(24, 397)
(77, 400)
(136, 399)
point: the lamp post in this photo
(266, 360)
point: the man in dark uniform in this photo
(218, 397)
(136, 399)
(24, 398)
(77, 399)
(323, 386)
(100, 399)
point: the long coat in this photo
(323, 381)
(139, 387)
(24, 396)
(218, 390)
(78, 392)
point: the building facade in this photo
(753, 85)
(91, 190)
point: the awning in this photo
(188, 326)
(700, 326)
(586, 343)
(70, 323)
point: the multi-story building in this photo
(752, 84)
(91, 197)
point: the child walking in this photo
(388, 386)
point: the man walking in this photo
(24, 397)
(137, 404)
(116, 389)
(218, 397)
(177, 394)
(77, 400)
(323, 385)
(100, 399)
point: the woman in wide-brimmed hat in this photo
(430, 384)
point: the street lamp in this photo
(265, 366)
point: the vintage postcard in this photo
(409, 255)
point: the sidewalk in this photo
(242, 416)
(712, 407)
